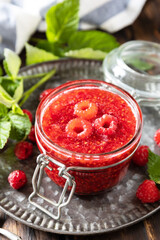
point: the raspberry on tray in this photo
(140, 157)
(157, 137)
(29, 114)
(148, 192)
(23, 150)
(17, 179)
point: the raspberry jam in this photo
(91, 126)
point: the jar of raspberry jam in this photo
(87, 132)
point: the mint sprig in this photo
(65, 40)
(154, 167)
(14, 123)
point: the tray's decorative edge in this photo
(53, 226)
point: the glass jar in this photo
(81, 173)
(135, 67)
(93, 173)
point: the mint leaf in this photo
(1, 71)
(53, 47)
(36, 55)
(154, 167)
(9, 86)
(62, 20)
(3, 110)
(5, 98)
(139, 64)
(92, 39)
(18, 92)
(16, 109)
(5, 127)
(20, 126)
(88, 53)
(12, 63)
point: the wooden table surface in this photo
(146, 27)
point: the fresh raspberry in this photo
(157, 137)
(17, 179)
(31, 135)
(86, 109)
(23, 150)
(148, 192)
(28, 113)
(78, 128)
(106, 125)
(140, 156)
(45, 93)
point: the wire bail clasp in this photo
(43, 162)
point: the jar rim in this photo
(74, 83)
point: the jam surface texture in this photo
(89, 120)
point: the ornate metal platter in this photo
(101, 213)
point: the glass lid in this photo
(135, 67)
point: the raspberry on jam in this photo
(106, 125)
(79, 128)
(86, 109)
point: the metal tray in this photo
(84, 215)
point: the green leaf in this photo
(5, 127)
(3, 110)
(36, 55)
(5, 98)
(154, 167)
(20, 126)
(62, 21)
(9, 86)
(18, 92)
(12, 63)
(16, 109)
(92, 39)
(139, 64)
(53, 47)
(88, 53)
(1, 71)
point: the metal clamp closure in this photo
(43, 162)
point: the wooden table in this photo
(146, 27)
